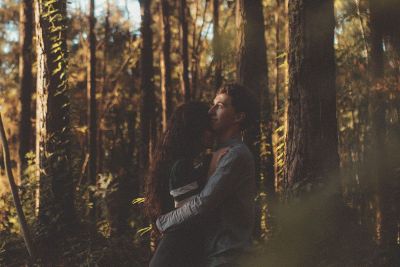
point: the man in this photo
(227, 200)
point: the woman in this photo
(177, 172)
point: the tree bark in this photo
(92, 106)
(165, 63)
(252, 72)
(147, 113)
(382, 16)
(216, 43)
(311, 141)
(280, 89)
(26, 83)
(186, 91)
(376, 17)
(53, 159)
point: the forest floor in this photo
(315, 233)
(76, 249)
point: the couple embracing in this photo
(203, 205)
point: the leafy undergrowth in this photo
(75, 249)
(321, 231)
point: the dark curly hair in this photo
(182, 139)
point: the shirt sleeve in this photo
(227, 177)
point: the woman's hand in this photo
(217, 155)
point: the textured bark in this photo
(147, 112)
(186, 91)
(311, 141)
(252, 72)
(26, 82)
(376, 17)
(53, 158)
(100, 149)
(217, 46)
(280, 50)
(281, 77)
(165, 62)
(92, 112)
(382, 16)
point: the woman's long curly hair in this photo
(181, 140)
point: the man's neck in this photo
(228, 135)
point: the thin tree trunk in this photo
(147, 113)
(186, 91)
(103, 90)
(311, 141)
(56, 208)
(217, 46)
(165, 63)
(26, 83)
(376, 17)
(92, 114)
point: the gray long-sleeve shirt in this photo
(226, 201)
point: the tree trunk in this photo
(53, 159)
(382, 16)
(280, 90)
(165, 63)
(100, 136)
(26, 82)
(252, 72)
(92, 114)
(217, 46)
(376, 17)
(311, 141)
(147, 113)
(186, 92)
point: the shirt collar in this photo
(229, 142)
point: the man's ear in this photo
(239, 117)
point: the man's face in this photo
(222, 113)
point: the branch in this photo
(14, 190)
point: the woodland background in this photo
(86, 88)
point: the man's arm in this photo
(227, 177)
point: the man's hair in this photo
(242, 100)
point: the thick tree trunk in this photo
(252, 72)
(53, 158)
(311, 141)
(92, 112)
(186, 91)
(26, 83)
(165, 63)
(147, 113)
